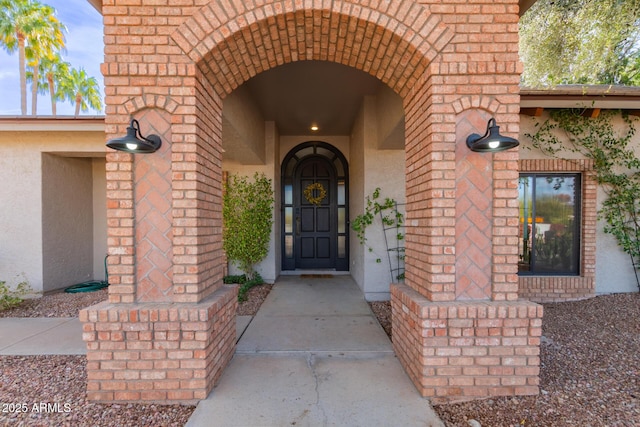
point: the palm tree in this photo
(77, 87)
(43, 44)
(24, 23)
(50, 72)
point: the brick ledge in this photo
(158, 352)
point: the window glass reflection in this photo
(341, 220)
(549, 224)
(288, 246)
(342, 246)
(288, 194)
(341, 193)
(339, 167)
(288, 220)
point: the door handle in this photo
(298, 226)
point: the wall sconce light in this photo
(491, 141)
(134, 142)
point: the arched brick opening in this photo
(395, 43)
(444, 59)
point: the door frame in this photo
(289, 165)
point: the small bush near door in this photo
(248, 216)
(244, 283)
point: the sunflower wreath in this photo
(309, 193)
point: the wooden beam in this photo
(591, 113)
(532, 111)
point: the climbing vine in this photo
(392, 223)
(616, 166)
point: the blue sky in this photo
(85, 48)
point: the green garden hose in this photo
(91, 285)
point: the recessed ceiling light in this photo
(314, 127)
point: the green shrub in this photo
(10, 298)
(244, 283)
(247, 213)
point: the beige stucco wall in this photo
(357, 196)
(243, 128)
(374, 168)
(48, 184)
(614, 271)
(67, 221)
(269, 268)
(99, 177)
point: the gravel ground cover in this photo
(50, 391)
(590, 376)
(56, 305)
(590, 358)
(68, 305)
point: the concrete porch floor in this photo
(314, 355)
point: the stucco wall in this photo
(357, 196)
(614, 272)
(23, 254)
(99, 217)
(20, 216)
(269, 268)
(373, 168)
(67, 221)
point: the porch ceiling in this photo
(305, 93)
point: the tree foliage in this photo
(80, 89)
(247, 215)
(581, 42)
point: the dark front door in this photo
(314, 206)
(315, 214)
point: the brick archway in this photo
(394, 42)
(442, 57)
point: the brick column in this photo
(463, 350)
(169, 328)
(146, 344)
(459, 329)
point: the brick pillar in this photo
(482, 342)
(150, 343)
(459, 329)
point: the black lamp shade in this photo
(131, 143)
(491, 141)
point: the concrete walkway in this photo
(20, 336)
(38, 336)
(314, 355)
